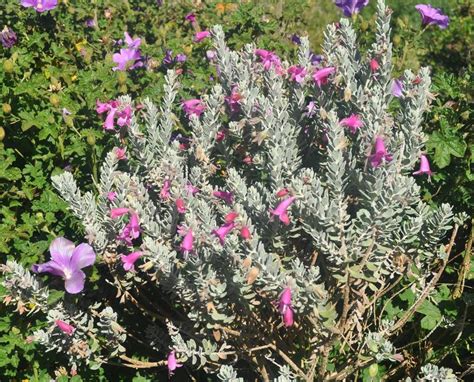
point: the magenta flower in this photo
(234, 100)
(282, 192)
(380, 154)
(132, 43)
(65, 327)
(374, 65)
(269, 59)
(228, 197)
(191, 17)
(297, 73)
(282, 210)
(193, 107)
(223, 231)
(231, 216)
(321, 75)
(120, 153)
(111, 195)
(199, 36)
(8, 38)
(424, 166)
(351, 7)
(127, 59)
(397, 88)
(353, 123)
(432, 16)
(124, 116)
(165, 190)
(180, 206)
(284, 307)
(129, 260)
(245, 233)
(67, 261)
(187, 243)
(190, 189)
(172, 363)
(114, 109)
(117, 212)
(131, 230)
(40, 5)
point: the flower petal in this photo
(61, 250)
(75, 284)
(82, 257)
(50, 267)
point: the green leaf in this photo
(446, 145)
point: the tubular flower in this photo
(117, 212)
(284, 307)
(424, 166)
(191, 17)
(374, 65)
(8, 38)
(223, 231)
(432, 16)
(129, 260)
(269, 59)
(321, 75)
(282, 210)
(380, 154)
(165, 191)
(111, 195)
(187, 243)
(180, 207)
(231, 216)
(193, 107)
(233, 101)
(228, 197)
(67, 261)
(351, 7)
(245, 233)
(131, 230)
(353, 123)
(65, 327)
(172, 363)
(191, 190)
(199, 36)
(297, 73)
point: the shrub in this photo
(271, 239)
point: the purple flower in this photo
(172, 363)
(228, 197)
(180, 57)
(191, 17)
(424, 167)
(65, 327)
(397, 88)
(40, 5)
(284, 307)
(193, 107)
(380, 154)
(8, 37)
(295, 39)
(321, 75)
(432, 16)
(211, 54)
(353, 123)
(297, 73)
(282, 210)
(187, 243)
(131, 43)
(315, 58)
(199, 36)
(223, 231)
(311, 108)
(350, 7)
(129, 260)
(131, 230)
(67, 260)
(127, 59)
(90, 23)
(168, 59)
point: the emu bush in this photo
(269, 242)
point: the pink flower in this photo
(297, 73)
(424, 166)
(211, 55)
(269, 59)
(40, 5)
(245, 233)
(380, 154)
(131, 230)
(120, 153)
(231, 216)
(165, 191)
(172, 363)
(220, 135)
(248, 160)
(353, 123)
(228, 197)
(191, 17)
(284, 307)
(111, 195)
(129, 260)
(199, 36)
(181, 208)
(131, 43)
(374, 65)
(114, 109)
(124, 116)
(193, 107)
(117, 212)
(321, 75)
(187, 243)
(65, 327)
(191, 190)
(282, 210)
(223, 231)
(234, 100)
(127, 59)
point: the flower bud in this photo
(2, 133)
(54, 99)
(90, 140)
(8, 66)
(6, 107)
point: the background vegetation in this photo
(59, 62)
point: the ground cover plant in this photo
(75, 140)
